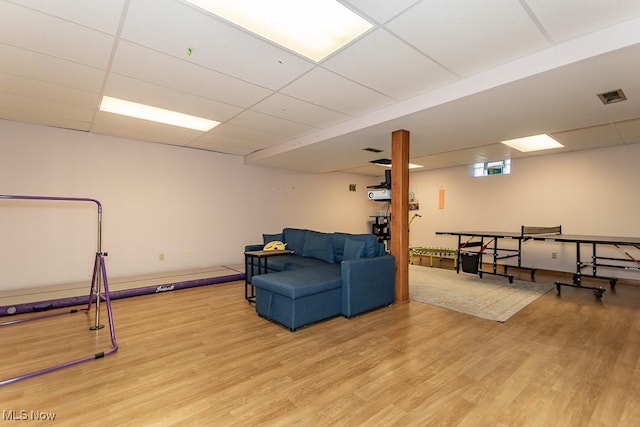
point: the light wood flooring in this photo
(202, 356)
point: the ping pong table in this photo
(493, 241)
(623, 245)
(624, 260)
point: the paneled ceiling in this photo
(459, 75)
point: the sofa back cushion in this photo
(338, 240)
(266, 238)
(294, 238)
(318, 245)
(371, 247)
(353, 249)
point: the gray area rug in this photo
(491, 297)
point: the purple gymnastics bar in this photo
(99, 278)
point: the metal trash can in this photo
(470, 262)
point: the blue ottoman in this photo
(297, 298)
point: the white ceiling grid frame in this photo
(327, 89)
(51, 69)
(465, 44)
(287, 107)
(143, 63)
(175, 27)
(128, 127)
(235, 139)
(567, 19)
(54, 36)
(47, 92)
(230, 70)
(20, 108)
(254, 120)
(380, 10)
(143, 92)
(591, 137)
(629, 130)
(251, 137)
(388, 65)
(102, 15)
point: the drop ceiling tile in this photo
(165, 70)
(567, 19)
(38, 32)
(466, 157)
(367, 170)
(251, 137)
(172, 27)
(38, 111)
(225, 147)
(629, 130)
(123, 87)
(270, 124)
(388, 65)
(100, 15)
(381, 10)
(226, 144)
(286, 107)
(589, 137)
(143, 130)
(10, 113)
(469, 37)
(329, 90)
(48, 92)
(49, 69)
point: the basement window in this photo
(500, 167)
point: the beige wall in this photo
(198, 208)
(592, 192)
(201, 208)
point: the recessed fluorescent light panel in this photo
(154, 114)
(312, 28)
(533, 143)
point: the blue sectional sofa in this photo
(329, 274)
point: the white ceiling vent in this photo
(612, 97)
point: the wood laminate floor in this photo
(202, 356)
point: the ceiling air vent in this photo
(381, 162)
(372, 150)
(612, 97)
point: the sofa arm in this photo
(249, 248)
(367, 283)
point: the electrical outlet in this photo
(554, 255)
(161, 256)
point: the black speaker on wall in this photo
(387, 177)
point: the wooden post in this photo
(400, 211)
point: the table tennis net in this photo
(530, 230)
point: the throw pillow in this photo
(266, 238)
(353, 249)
